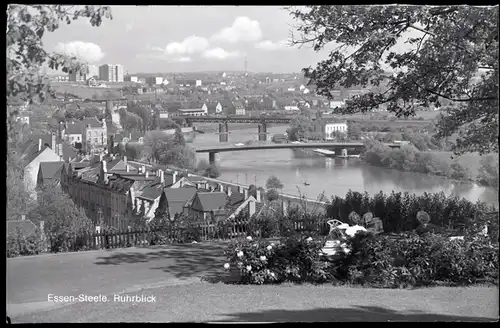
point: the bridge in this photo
(214, 150)
(225, 120)
(236, 119)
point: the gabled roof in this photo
(50, 171)
(31, 157)
(26, 227)
(235, 198)
(152, 191)
(209, 201)
(69, 152)
(177, 198)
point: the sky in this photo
(187, 39)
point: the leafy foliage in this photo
(453, 57)
(166, 149)
(488, 172)
(63, 219)
(398, 211)
(383, 261)
(273, 183)
(20, 245)
(26, 26)
(408, 158)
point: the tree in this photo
(26, 26)
(454, 57)
(272, 194)
(300, 128)
(133, 122)
(252, 191)
(179, 138)
(212, 171)
(273, 183)
(61, 216)
(488, 172)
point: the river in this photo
(333, 177)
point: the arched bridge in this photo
(213, 150)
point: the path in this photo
(31, 279)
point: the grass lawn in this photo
(203, 302)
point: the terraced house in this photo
(118, 193)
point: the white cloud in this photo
(185, 59)
(243, 29)
(188, 46)
(219, 53)
(85, 51)
(270, 45)
(129, 27)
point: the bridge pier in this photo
(344, 152)
(223, 132)
(262, 130)
(213, 158)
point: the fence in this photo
(113, 238)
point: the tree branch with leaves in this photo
(453, 56)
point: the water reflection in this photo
(332, 176)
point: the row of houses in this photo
(120, 193)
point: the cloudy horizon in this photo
(187, 39)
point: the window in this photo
(95, 140)
(77, 138)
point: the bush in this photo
(20, 245)
(383, 261)
(398, 211)
(409, 158)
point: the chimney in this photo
(54, 145)
(132, 194)
(104, 171)
(100, 157)
(147, 174)
(130, 136)
(39, 144)
(251, 209)
(221, 187)
(284, 208)
(127, 168)
(162, 177)
(69, 159)
(229, 191)
(174, 176)
(240, 189)
(125, 160)
(245, 193)
(258, 195)
(23, 217)
(60, 147)
(143, 169)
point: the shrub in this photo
(20, 245)
(398, 211)
(259, 262)
(383, 261)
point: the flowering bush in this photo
(259, 262)
(20, 245)
(383, 261)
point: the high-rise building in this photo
(111, 73)
(92, 71)
(119, 73)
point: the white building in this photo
(111, 73)
(332, 127)
(198, 83)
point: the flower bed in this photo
(363, 259)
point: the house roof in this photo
(50, 171)
(235, 198)
(92, 121)
(209, 201)
(68, 152)
(26, 227)
(74, 128)
(152, 191)
(177, 197)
